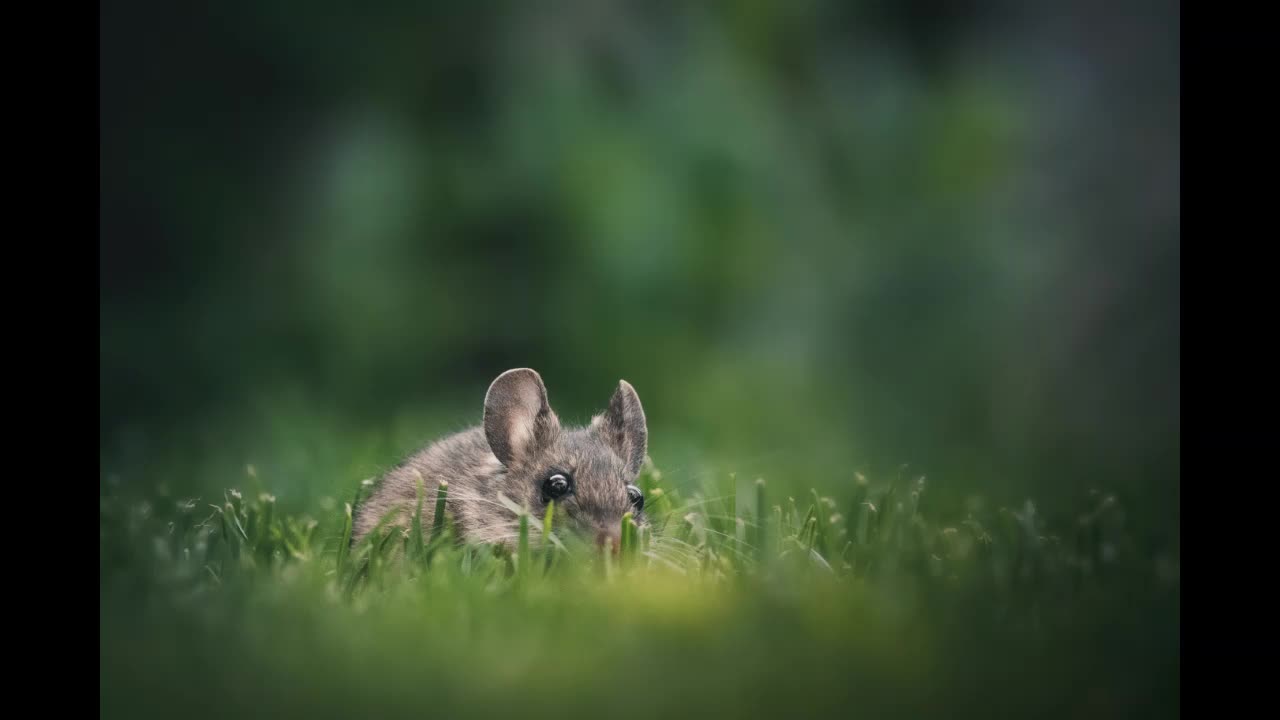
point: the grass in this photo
(739, 602)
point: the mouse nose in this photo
(611, 537)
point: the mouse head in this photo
(589, 472)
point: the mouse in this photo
(522, 451)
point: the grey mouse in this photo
(521, 450)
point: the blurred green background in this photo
(818, 237)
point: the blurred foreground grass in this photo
(744, 601)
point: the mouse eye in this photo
(637, 497)
(555, 487)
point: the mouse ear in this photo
(624, 427)
(517, 417)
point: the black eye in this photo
(637, 497)
(555, 487)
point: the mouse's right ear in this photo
(624, 427)
(517, 417)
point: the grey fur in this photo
(519, 443)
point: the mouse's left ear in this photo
(624, 427)
(518, 420)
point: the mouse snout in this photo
(610, 536)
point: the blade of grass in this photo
(523, 559)
(761, 529)
(415, 526)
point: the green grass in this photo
(740, 602)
